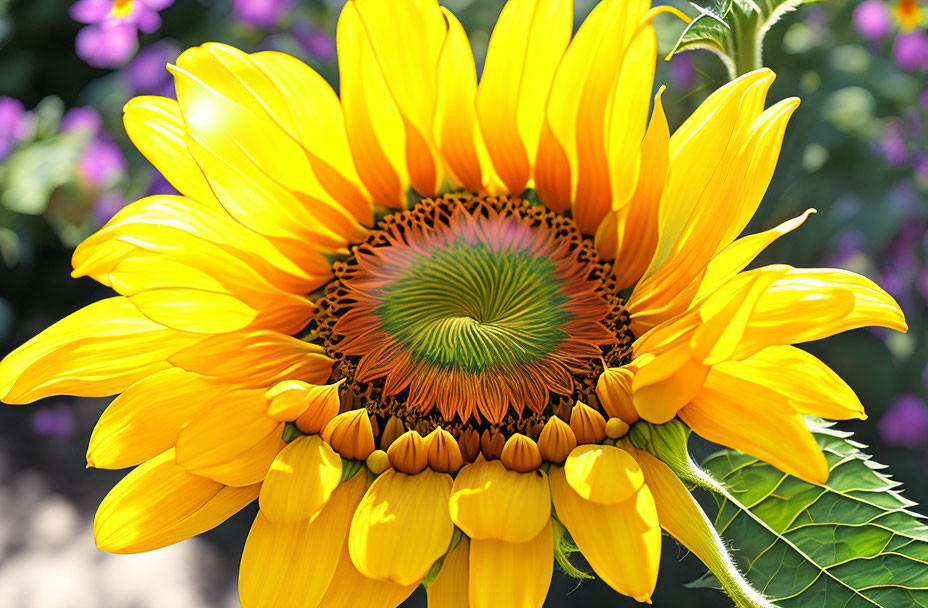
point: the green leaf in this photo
(850, 543)
(734, 30)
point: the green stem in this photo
(748, 43)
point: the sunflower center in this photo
(471, 313)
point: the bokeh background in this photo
(857, 150)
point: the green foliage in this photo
(734, 30)
(850, 543)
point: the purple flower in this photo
(681, 72)
(147, 73)
(54, 421)
(102, 161)
(158, 185)
(111, 36)
(14, 125)
(872, 20)
(923, 99)
(910, 51)
(315, 40)
(106, 206)
(261, 13)
(83, 118)
(905, 423)
(894, 146)
(107, 46)
(849, 246)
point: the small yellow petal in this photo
(614, 389)
(449, 589)
(622, 541)
(301, 480)
(514, 575)
(603, 474)
(350, 434)
(401, 526)
(556, 441)
(292, 564)
(159, 504)
(491, 502)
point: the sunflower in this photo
(416, 320)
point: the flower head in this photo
(14, 125)
(111, 36)
(417, 320)
(872, 20)
(910, 51)
(261, 13)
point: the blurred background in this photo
(857, 150)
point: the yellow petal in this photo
(636, 228)
(456, 128)
(527, 43)
(735, 258)
(810, 386)
(376, 133)
(614, 389)
(758, 421)
(194, 310)
(401, 526)
(257, 359)
(145, 420)
(159, 504)
(261, 176)
(181, 230)
(351, 589)
(156, 128)
(410, 73)
(253, 83)
(579, 105)
(449, 589)
(301, 480)
(491, 502)
(711, 155)
(100, 350)
(622, 541)
(233, 427)
(319, 127)
(514, 575)
(603, 474)
(292, 564)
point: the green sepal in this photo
(290, 432)
(563, 547)
(436, 567)
(350, 468)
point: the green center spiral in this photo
(469, 307)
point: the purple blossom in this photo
(849, 246)
(82, 118)
(681, 72)
(923, 99)
(910, 51)
(146, 74)
(905, 423)
(102, 161)
(261, 13)
(111, 35)
(159, 185)
(14, 125)
(316, 41)
(894, 145)
(872, 20)
(107, 205)
(53, 421)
